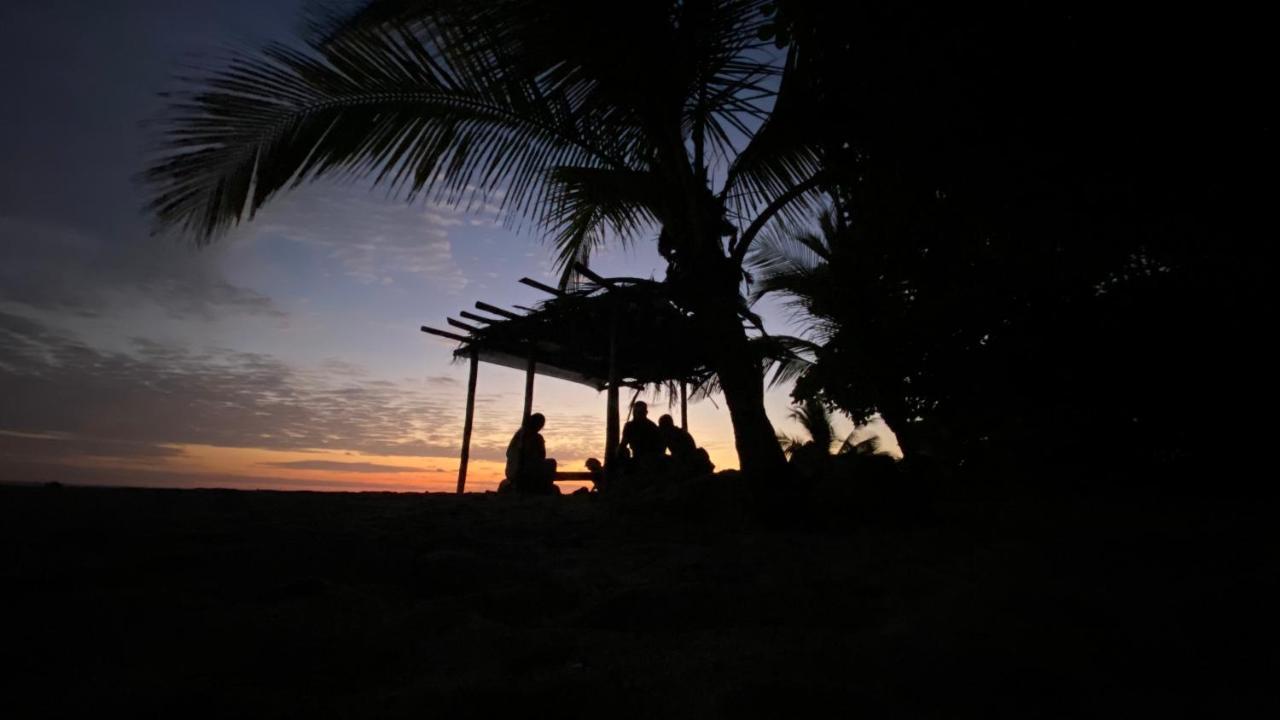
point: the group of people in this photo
(644, 447)
(642, 454)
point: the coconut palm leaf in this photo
(786, 357)
(384, 104)
(790, 444)
(466, 101)
(815, 418)
(797, 267)
(591, 120)
(781, 166)
(779, 252)
(711, 61)
(588, 206)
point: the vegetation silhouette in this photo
(595, 122)
(1015, 257)
(1020, 269)
(1033, 263)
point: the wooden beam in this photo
(611, 430)
(684, 406)
(477, 318)
(528, 390)
(589, 274)
(462, 325)
(496, 310)
(443, 334)
(467, 422)
(540, 286)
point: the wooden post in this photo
(611, 430)
(528, 390)
(466, 424)
(684, 406)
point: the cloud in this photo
(64, 398)
(342, 368)
(372, 239)
(356, 467)
(440, 220)
(60, 446)
(50, 266)
(39, 472)
(66, 392)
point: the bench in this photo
(580, 475)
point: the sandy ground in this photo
(701, 602)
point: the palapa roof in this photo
(568, 335)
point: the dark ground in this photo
(223, 603)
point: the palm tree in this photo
(597, 122)
(815, 419)
(855, 310)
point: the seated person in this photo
(529, 470)
(597, 473)
(641, 438)
(686, 456)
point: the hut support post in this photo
(528, 389)
(684, 406)
(611, 431)
(466, 424)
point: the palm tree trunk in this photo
(759, 452)
(742, 382)
(706, 281)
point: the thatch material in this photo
(569, 336)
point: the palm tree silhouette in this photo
(597, 122)
(840, 290)
(815, 420)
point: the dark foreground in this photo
(235, 604)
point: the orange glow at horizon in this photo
(574, 432)
(324, 470)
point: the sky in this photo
(285, 356)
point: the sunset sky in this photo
(285, 356)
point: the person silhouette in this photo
(641, 437)
(686, 456)
(529, 470)
(596, 469)
(676, 440)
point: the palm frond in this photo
(869, 446)
(589, 204)
(416, 111)
(712, 60)
(779, 252)
(790, 444)
(730, 75)
(778, 169)
(815, 418)
(785, 357)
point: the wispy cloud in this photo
(49, 266)
(62, 395)
(372, 239)
(60, 446)
(356, 467)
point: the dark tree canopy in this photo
(1042, 246)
